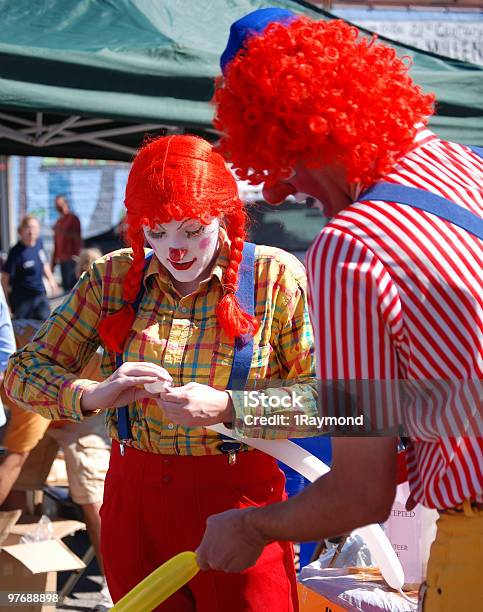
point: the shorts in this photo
(86, 449)
(25, 429)
(453, 581)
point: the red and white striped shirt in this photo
(397, 293)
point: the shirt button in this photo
(166, 461)
(170, 426)
(183, 309)
(166, 478)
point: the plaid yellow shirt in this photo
(179, 333)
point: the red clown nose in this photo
(177, 254)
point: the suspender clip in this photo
(230, 448)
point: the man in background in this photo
(67, 242)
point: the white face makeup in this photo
(185, 248)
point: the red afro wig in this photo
(172, 178)
(313, 92)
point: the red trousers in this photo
(156, 506)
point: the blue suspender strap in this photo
(427, 201)
(476, 150)
(123, 424)
(242, 357)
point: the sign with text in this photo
(457, 39)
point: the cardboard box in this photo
(310, 601)
(349, 589)
(33, 567)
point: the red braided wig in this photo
(173, 178)
(314, 92)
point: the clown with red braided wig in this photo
(166, 312)
(315, 108)
(165, 187)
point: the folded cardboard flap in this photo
(33, 567)
(7, 521)
(61, 529)
(46, 556)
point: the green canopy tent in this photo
(88, 78)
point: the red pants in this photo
(156, 506)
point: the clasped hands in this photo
(196, 405)
(190, 405)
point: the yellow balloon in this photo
(160, 584)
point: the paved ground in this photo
(85, 594)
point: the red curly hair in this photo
(314, 92)
(172, 178)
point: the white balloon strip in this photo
(313, 468)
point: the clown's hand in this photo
(195, 405)
(125, 385)
(230, 543)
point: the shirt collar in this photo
(423, 136)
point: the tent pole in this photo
(53, 130)
(6, 221)
(39, 125)
(129, 129)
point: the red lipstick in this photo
(182, 266)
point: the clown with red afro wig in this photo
(299, 91)
(315, 109)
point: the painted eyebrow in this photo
(188, 221)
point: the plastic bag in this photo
(354, 553)
(44, 530)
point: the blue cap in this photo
(255, 21)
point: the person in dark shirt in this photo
(67, 242)
(23, 272)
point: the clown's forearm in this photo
(358, 491)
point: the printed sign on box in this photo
(411, 534)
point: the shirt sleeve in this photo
(76, 225)
(292, 340)
(76, 234)
(9, 265)
(42, 256)
(356, 314)
(44, 376)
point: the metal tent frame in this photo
(41, 133)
